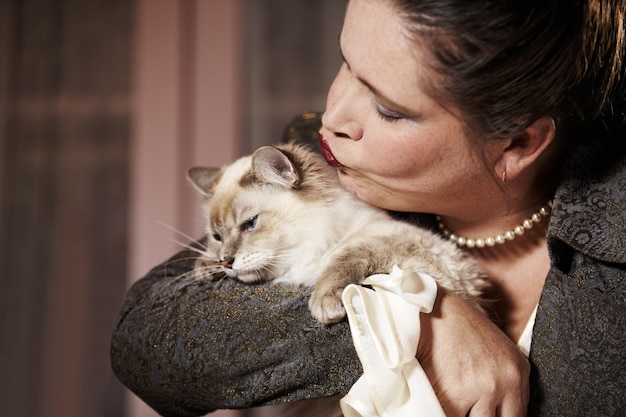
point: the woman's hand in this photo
(474, 367)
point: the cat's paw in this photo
(327, 307)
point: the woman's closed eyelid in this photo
(388, 114)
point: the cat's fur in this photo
(281, 215)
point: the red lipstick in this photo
(328, 154)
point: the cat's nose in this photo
(227, 262)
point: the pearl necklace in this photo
(519, 230)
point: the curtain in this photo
(64, 141)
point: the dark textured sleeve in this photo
(189, 346)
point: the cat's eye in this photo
(250, 224)
(217, 237)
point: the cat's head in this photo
(255, 209)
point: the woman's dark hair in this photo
(504, 64)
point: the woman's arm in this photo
(473, 366)
(188, 346)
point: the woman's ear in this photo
(525, 148)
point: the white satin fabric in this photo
(527, 335)
(385, 327)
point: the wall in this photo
(64, 148)
(292, 56)
(104, 104)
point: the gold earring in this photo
(504, 176)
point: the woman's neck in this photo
(517, 273)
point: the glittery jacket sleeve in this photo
(188, 346)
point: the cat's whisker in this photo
(264, 272)
(281, 260)
(197, 274)
(189, 246)
(275, 264)
(199, 251)
(202, 276)
(177, 279)
(191, 242)
(173, 262)
(184, 259)
(178, 232)
(284, 249)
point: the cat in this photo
(281, 215)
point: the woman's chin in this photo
(354, 186)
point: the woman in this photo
(479, 113)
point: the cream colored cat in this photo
(281, 215)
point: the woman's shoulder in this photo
(589, 211)
(578, 334)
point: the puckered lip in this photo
(328, 154)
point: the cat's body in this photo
(281, 215)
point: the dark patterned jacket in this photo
(187, 347)
(579, 340)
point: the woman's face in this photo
(395, 147)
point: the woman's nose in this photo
(342, 103)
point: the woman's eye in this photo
(250, 224)
(388, 115)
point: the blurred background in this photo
(104, 104)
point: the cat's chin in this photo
(248, 277)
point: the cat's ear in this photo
(271, 165)
(203, 178)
